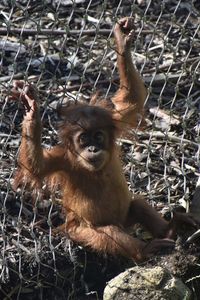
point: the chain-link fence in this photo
(66, 48)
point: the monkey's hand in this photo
(155, 246)
(27, 94)
(180, 221)
(123, 32)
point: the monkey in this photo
(86, 163)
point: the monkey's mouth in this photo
(95, 164)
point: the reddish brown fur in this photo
(98, 203)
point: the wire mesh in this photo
(65, 47)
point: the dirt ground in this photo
(161, 162)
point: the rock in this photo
(146, 283)
(12, 47)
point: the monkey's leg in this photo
(141, 212)
(111, 239)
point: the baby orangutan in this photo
(86, 164)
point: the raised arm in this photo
(34, 161)
(129, 99)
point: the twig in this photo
(67, 88)
(172, 65)
(44, 220)
(193, 278)
(5, 135)
(194, 236)
(160, 78)
(38, 31)
(15, 243)
(25, 210)
(13, 76)
(87, 84)
(169, 137)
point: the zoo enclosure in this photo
(66, 49)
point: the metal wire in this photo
(163, 160)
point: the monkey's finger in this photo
(19, 95)
(27, 88)
(122, 21)
(18, 84)
(129, 38)
(185, 218)
(131, 34)
(32, 104)
(122, 24)
(126, 21)
(158, 244)
(16, 95)
(129, 24)
(126, 24)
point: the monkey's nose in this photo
(93, 149)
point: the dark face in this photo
(89, 134)
(92, 148)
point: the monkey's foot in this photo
(156, 245)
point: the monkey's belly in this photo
(101, 211)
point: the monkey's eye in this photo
(99, 137)
(84, 139)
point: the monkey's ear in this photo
(62, 108)
(95, 98)
(128, 119)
